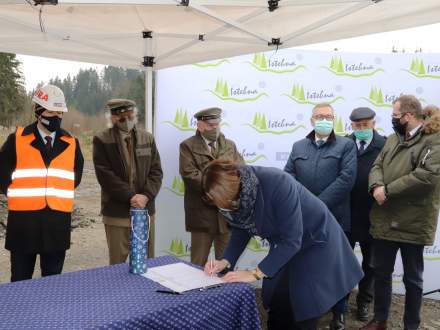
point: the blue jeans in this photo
(384, 258)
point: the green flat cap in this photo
(362, 113)
(120, 105)
(208, 114)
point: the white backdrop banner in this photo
(267, 100)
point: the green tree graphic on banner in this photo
(298, 92)
(339, 126)
(176, 248)
(259, 121)
(178, 185)
(181, 118)
(417, 67)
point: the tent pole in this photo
(149, 100)
(148, 62)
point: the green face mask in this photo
(363, 134)
(212, 134)
(324, 127)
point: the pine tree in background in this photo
(89, 90)
(13, 98)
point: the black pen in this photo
(167, 291)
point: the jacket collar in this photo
(376, 142)
(413, 140)
(200, 146)
(331, 137)
(58, 145)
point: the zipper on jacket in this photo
(426, 156)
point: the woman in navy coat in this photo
(310, 265)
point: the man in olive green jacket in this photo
(203, 221)
(405, 182)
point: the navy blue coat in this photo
(329, 172)
(361, 199)
(304, 239)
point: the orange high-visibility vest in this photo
(35, 186)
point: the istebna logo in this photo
(252, 157)
(177, 187)
(377, 99)
(280, 66)
(181, 121)
(419, 70)
(177, 248)
(299, 95)
(357, 70)
(207, 65)
(278, 126)
(339, 126)
(186, 123)
(383, 100)
(257, 245)
(432, 253)
(235, 94)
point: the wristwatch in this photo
(255, 274)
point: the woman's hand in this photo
(212, 267)
(240, 276)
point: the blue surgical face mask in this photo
(364, 134)
(324, 127)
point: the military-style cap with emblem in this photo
(117, 106)
(210, 114)
(362, 114)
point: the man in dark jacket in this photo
(369, 144)
(405, 182)
(128, 168)
(326, 165)
(41, 165)
(204, 222)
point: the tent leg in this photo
(149, 101)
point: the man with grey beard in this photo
(128, 168)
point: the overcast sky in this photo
(37, 69)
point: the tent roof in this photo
(191, 31)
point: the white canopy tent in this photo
(149, 34)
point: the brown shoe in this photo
(375, 325)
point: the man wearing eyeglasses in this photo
(369, 144)
(326, 165)
(203, 221)
(128, 168)
(405, 182)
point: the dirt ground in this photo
(89, 250)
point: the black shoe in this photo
(338, 322)
(363, 311)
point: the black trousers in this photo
(366, 284)
(280, 316)
(23, 264)
(384, 258)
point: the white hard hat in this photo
(51, 98)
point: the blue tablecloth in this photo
(111, 298)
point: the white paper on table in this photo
(181, 277)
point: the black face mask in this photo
(398, 126)
(52, 124)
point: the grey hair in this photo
(108, 117)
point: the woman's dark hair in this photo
(221, 183)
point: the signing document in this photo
(180, 277)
